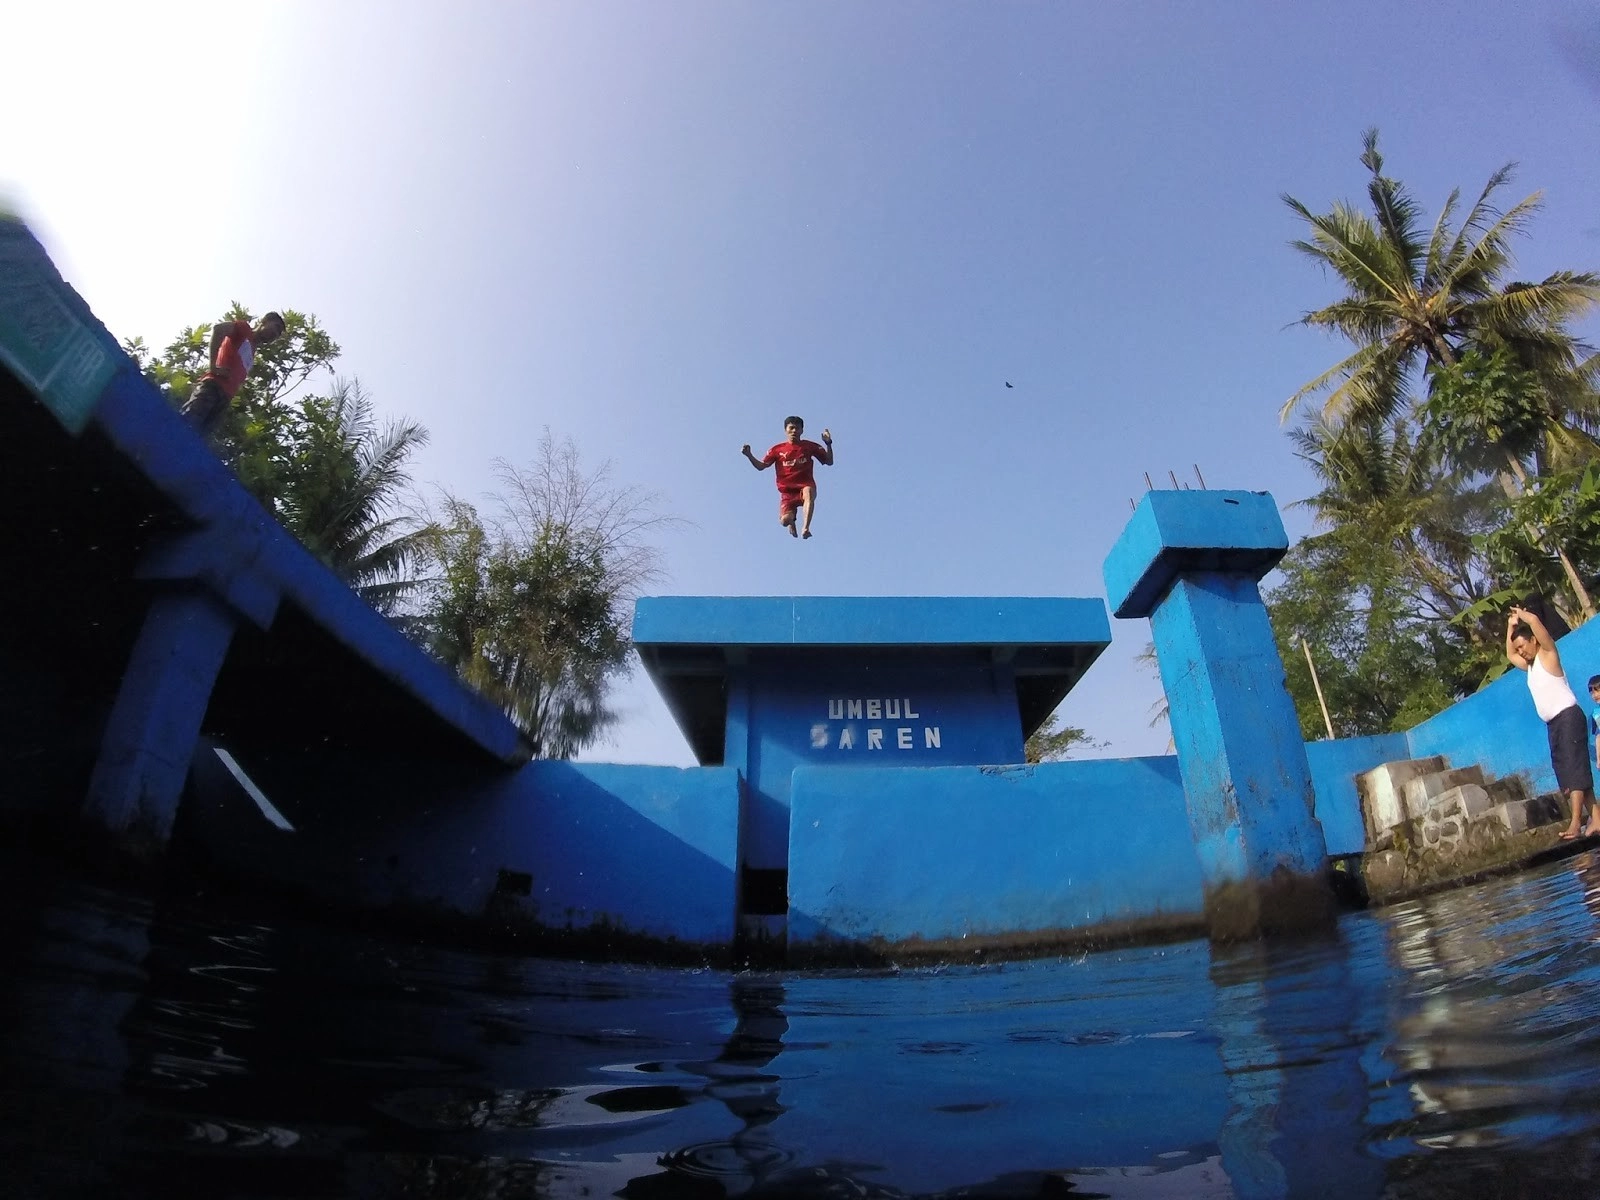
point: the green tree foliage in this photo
(324, 465)
(1387, 595)
(344, 480)
(1416, 296)
(254, 435)
(1053, 741)
(1563, 505)
(1450, 451)
(532, 607)
(1381, 667)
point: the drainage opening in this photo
(765, 891)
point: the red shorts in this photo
(791, 498)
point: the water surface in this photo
(171, 1047)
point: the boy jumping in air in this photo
(793, 458)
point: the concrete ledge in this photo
(1380, 793)
(877, 621)
(1175, 532)
(1489, 846)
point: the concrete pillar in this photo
(1191, 562)
(151, 734)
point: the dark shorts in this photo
(1569, 750)
(205, 404)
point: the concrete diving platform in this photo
(771, 685)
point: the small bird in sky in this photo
(1008, 383)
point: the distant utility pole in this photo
(1317, 683)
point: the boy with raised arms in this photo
(793, 457)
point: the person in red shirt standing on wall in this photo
(233, 350)
(793, 458)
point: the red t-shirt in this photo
(794, 463)
(234, 356)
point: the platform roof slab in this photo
(694, 647)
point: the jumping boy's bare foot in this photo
(793, 532)
(806, 534)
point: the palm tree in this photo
(344, 484)
(1399, 503)
(1418, 299)
(1415, 299)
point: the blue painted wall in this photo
(646, 850)
(1334, 767)
(889, 712)
(213, 538)
(1495, 728)
(650, 849)
(954, 852)
(251, 562)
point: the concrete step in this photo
(1380, 793)
(1528, 813)
(1421, 793)
(1445, 821)
(1508, 790)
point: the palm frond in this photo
(1475, 269)
(1352, 246)
(1434, 268)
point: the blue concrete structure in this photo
(151, 733)
(1334, 767)
(1191, 561)
(860, 793)
(770, 685)
(162, 599)
(603, 859)
(949, 861)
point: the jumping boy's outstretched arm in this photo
(754, 461)
(827, 448)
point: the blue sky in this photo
(658, 227)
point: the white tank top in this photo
(1551, 695)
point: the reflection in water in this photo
(749, 1159)
(1286, 1012)
(1495, 1041)
(1446, 1047)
